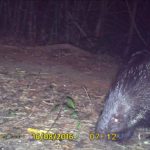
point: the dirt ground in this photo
(37, 84)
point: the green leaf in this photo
(70, 102)
(74, 114)
(12, 112)
(78, 125)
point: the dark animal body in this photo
(127, 105)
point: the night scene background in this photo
(58, 59)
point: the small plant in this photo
(71, 105)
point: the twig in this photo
(87, 94)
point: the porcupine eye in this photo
(116, 120)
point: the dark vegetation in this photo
(119, 26)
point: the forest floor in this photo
(50, 98)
